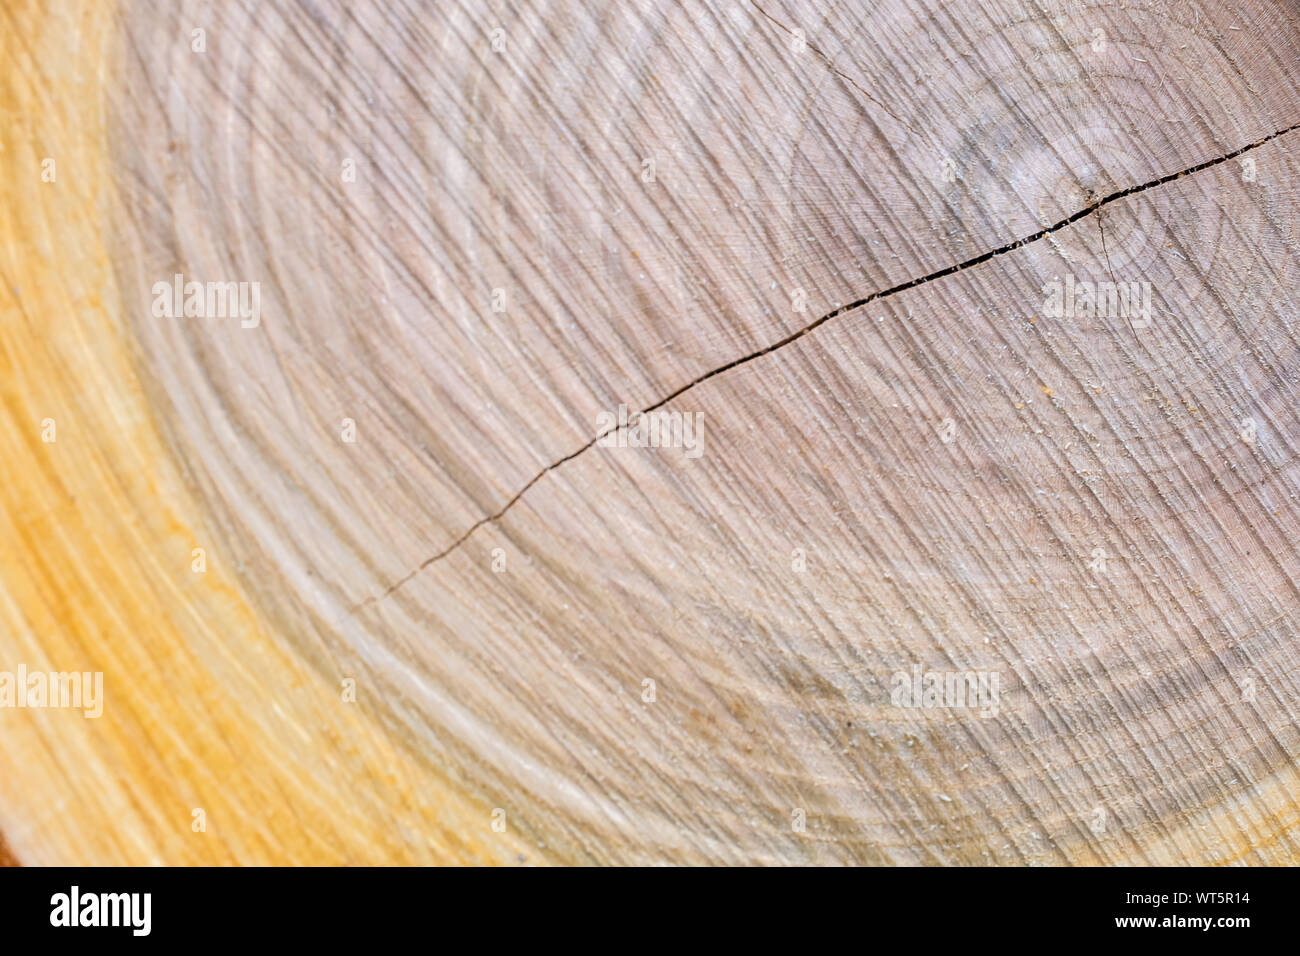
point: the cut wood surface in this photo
(379, 575)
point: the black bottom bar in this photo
(335, 906)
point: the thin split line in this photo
(1087, 210)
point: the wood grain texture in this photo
(205, 707)
(827, 233)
